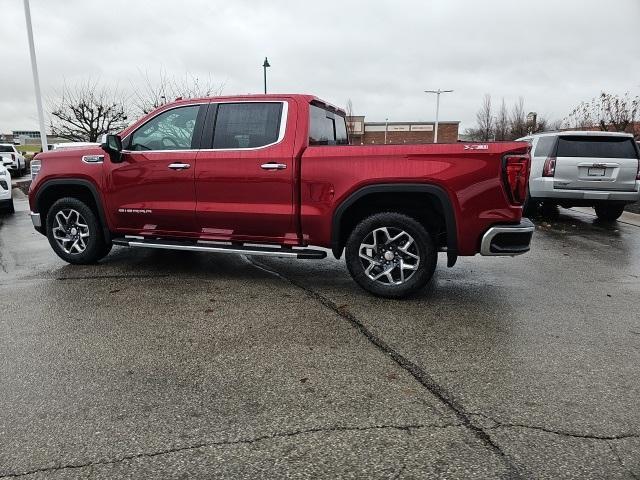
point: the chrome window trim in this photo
(284, 116)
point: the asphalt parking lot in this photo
(182, 365)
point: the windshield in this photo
(6, 148)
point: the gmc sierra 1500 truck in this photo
(274, 174)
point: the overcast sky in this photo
(380, 54)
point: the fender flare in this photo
(435, 190)
(48, 184)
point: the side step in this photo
(202, 246)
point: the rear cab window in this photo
(247, 125)
(596, 147)
(326, 127)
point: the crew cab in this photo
(275, 175)
(13, 159)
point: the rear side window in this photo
(544, 146)
(326, 128)
(247, 124)
(596, 147)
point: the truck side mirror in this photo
(112, 144)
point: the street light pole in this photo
(265, 65)
(437, 92)
(36, 78)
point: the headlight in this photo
(35, 168)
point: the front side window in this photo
(171, 130)
(247, 124)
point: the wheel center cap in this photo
(74, 231)
(389, 256)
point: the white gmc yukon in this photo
(590, 169)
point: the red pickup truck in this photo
(274, 174)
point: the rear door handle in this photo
(179, 166)
(273, 166)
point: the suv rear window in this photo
(596, 147)
(544, 147)
(6, 148)
(326, 128)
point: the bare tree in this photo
(607, 112)
(155, 92)
(86, 111)
(518, 120)
(484, 118)
(502, 126)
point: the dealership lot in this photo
(159, 364)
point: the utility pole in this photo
(265, 65)
(36, 78)
(437, 92)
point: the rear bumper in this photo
(508, 239)
(542, 188)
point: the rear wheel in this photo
(74, 232)
(530, 207)
(609, 213)
(390, 255)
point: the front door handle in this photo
(273, 166)
(179, 166)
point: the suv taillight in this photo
(516, 176)
(638, 174)
(549, 169)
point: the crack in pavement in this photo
(424, 378)
(621, 462)
(248, 441)
(499, 424)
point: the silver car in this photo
(591, 169)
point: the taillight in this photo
(638, 174)
(549, 169)
(13, 157)
(516, 176)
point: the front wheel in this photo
(609, 213)
(391, 255)
(74, 232)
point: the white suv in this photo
(12, 159)
(591, 169)
(6, 200)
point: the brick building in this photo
(365, 133)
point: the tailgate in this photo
(596, 163)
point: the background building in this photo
(365, 133)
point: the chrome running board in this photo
(299, 253)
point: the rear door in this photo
(596, 162)
(245, 175)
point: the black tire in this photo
(609, 213)
(394, 222)
(8, 207)
(550, 211)
(530, 207)
(95, 246)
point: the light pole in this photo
(265, 65)
(36, 78)
(437, 92)
(386, 124)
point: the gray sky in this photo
(381, 54)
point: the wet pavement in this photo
(159, 364)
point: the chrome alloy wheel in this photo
(389, 256)
(71, 232)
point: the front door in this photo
(152, 190)
(244, 181)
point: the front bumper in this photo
(35, 219)
(507, 239)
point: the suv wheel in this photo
(74, 232)
(609, 213)
(391, 255)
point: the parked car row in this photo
(6, 200)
